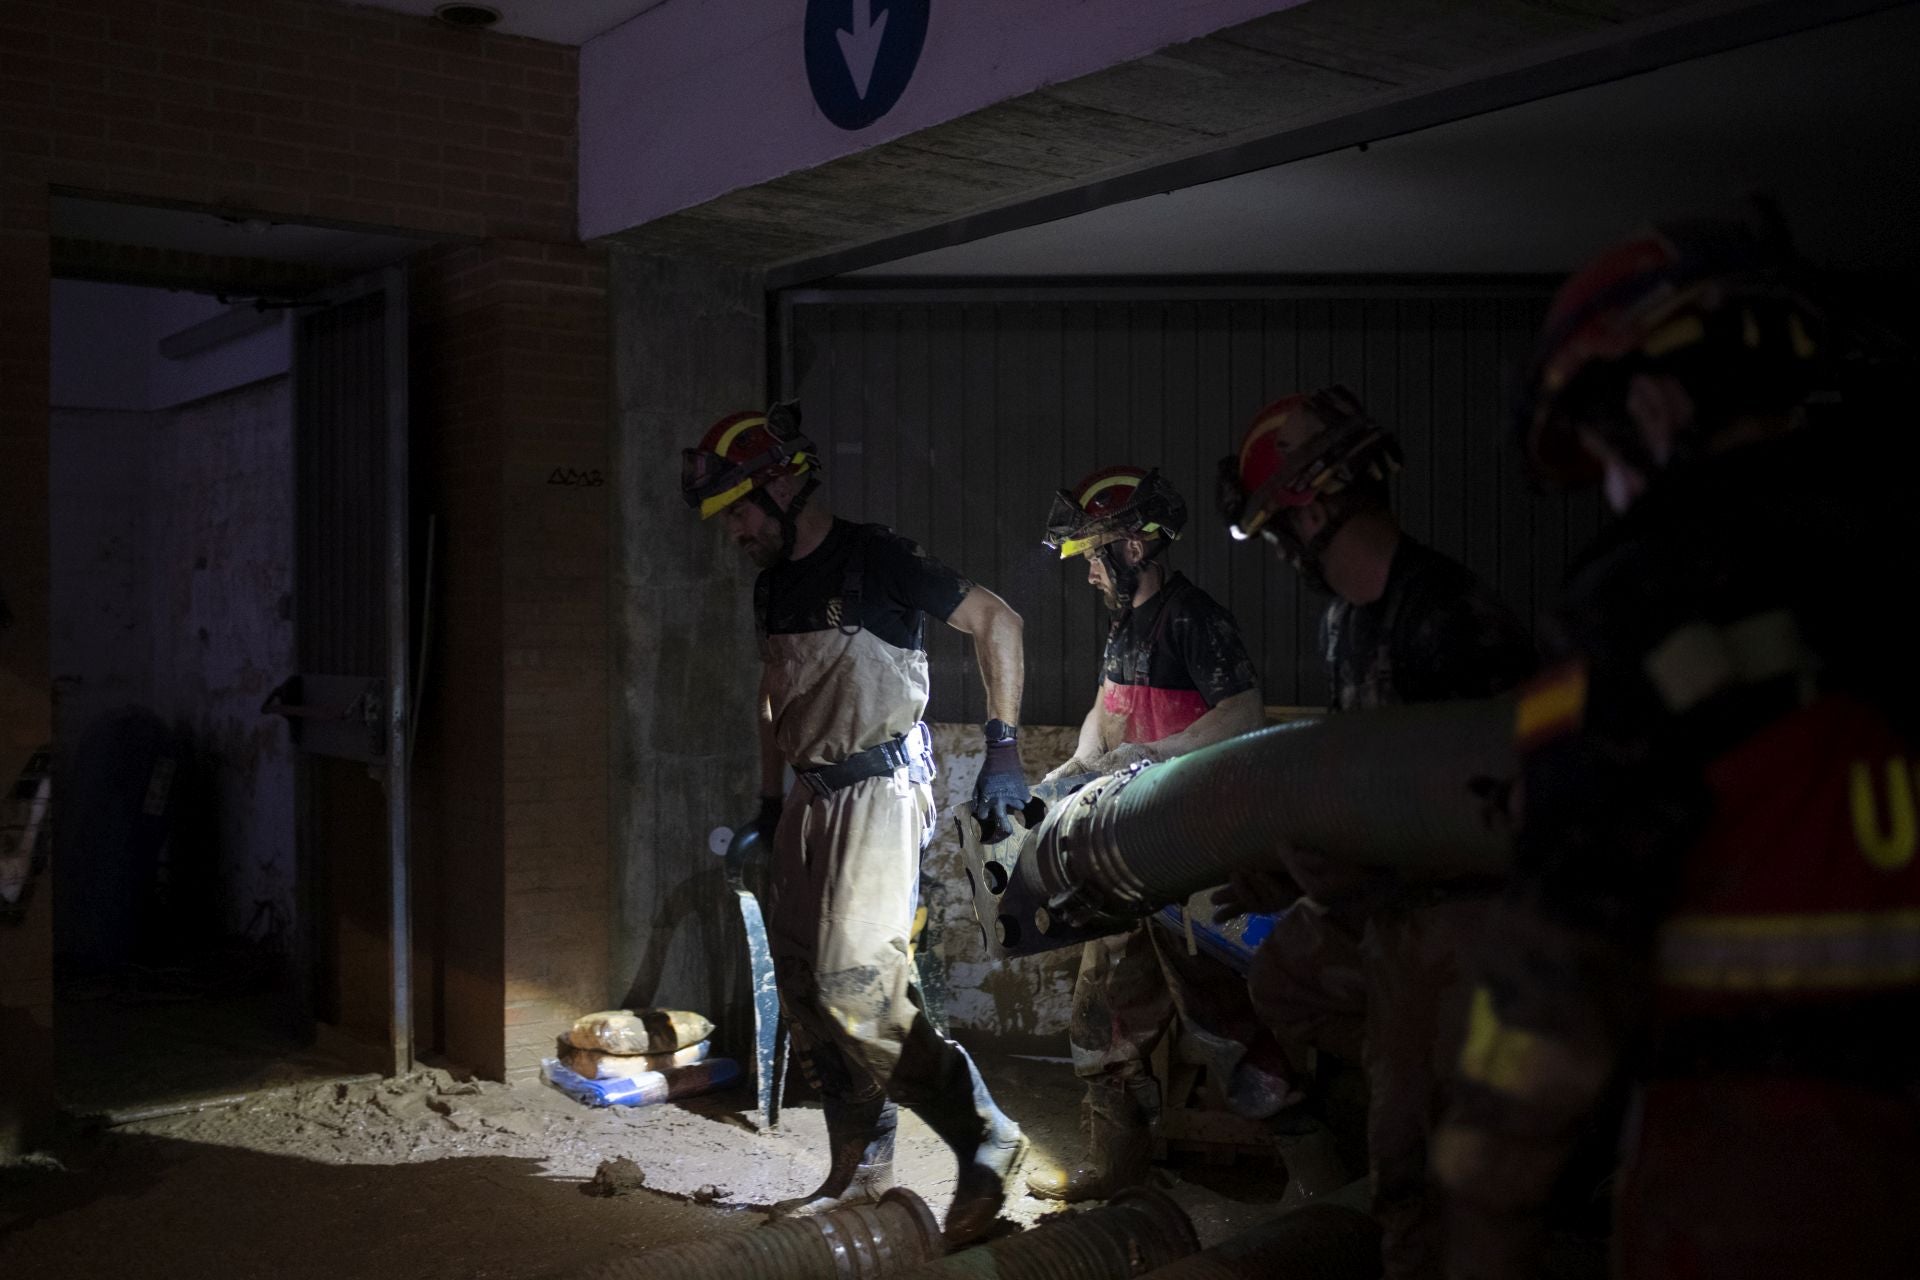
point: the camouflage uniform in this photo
(1718, 897)
(1370, 963)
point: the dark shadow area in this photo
(134, 1206)
(154, 1037)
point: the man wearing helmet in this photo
(840, 609)
(1718, 903)
(1175, 677)
(1366, 965)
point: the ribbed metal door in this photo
(954, 414)
(347, 704)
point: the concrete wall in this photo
(688, 101)
(689, 344)
(219, 559)
(172, 556)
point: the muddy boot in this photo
(860, 1146)
(1119, 1148)
(988, 1145)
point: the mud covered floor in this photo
(427, 1176)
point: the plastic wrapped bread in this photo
(598, 1064)
(629, 1031)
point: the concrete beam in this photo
(1282, 87)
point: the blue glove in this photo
(1001, 788)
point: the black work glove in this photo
(768, 819)
(1001, 788)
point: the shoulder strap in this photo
(1173, 593)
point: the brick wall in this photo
(301, 110)
(513, 360)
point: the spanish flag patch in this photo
(1551, 706)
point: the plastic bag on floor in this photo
(598, 1064)
(639, 1031)
(644, 1089)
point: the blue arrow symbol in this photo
(861, 46)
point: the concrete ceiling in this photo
(560, 21)
(1826, 120)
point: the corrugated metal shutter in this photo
(954, 420)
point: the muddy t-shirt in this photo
(842, 633)
(1171, 660)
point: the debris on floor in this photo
(616, 1177)
(439, 1178)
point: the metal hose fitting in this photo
(862, 1242)
(1415, 789)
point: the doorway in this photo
(223, 908)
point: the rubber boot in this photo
(1119, 1148)
(987, 1143)
(860, 1147)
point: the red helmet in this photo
(1115, 503)
(741, 453)
(1341, 446)
(1669, 293)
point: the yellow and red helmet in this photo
(1335, 445)
(1669, 293)
(741, 453)
(1115, 503)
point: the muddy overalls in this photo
(846, 705)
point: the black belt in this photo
(901, 752)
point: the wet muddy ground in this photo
(429, 1177)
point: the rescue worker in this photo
(1718, 902)
(841, 609)
(1174, 677)
(1367, 965)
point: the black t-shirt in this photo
(1437, 632)
(1180, 639)
(897, 584)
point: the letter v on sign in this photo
(861, 54)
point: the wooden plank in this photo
(880, 378)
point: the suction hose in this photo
(1414, 789)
